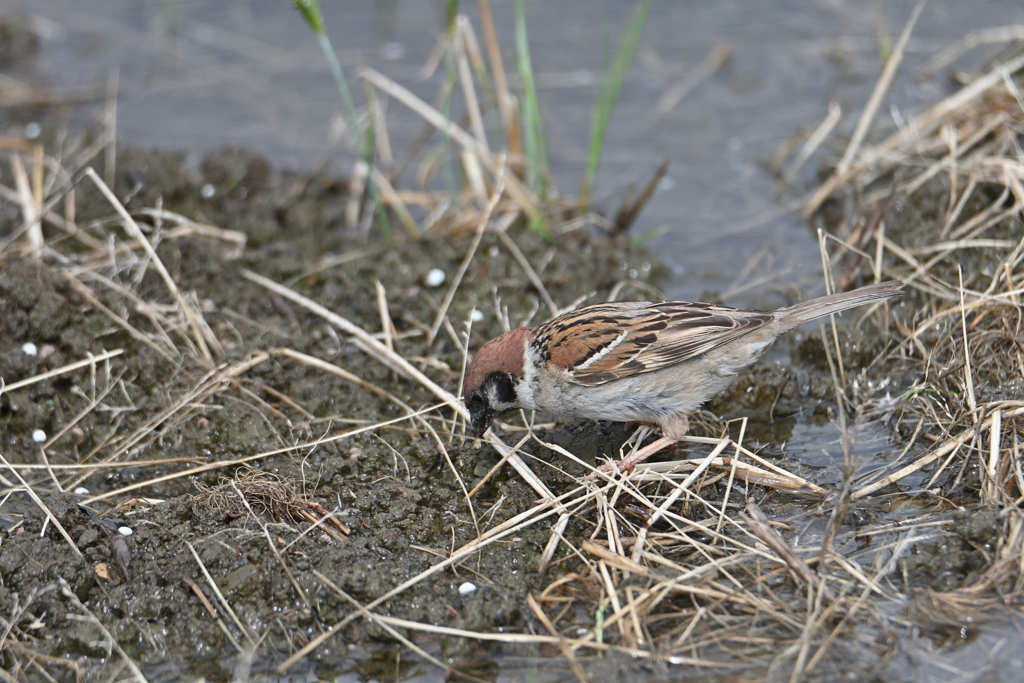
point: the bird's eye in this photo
(475, 399)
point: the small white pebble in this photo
(208, 191)
(476, 316)
(435, 278)
(29, 349)
(467, 588)
(125, 531)
(81, 491)
(32, 130)
(39, 436)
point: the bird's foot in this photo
(629, 463)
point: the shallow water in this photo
(198, 75)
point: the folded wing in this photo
(604, 342)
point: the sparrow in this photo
(634, 361)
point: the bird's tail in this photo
(833, 303)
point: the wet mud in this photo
(392, 487)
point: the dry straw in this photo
(682, 562)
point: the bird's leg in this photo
(629, 463)
(673, 432)
(642, 431)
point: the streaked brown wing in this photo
(599, 343)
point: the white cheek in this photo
(525, 390)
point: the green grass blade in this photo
(534, 138)
(609, 96)
(536, 149)
(448, 153)
(310, 10)
(343, 92)
(453, 12)
(383, 224)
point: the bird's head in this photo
(492, 377)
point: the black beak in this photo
(481, 418)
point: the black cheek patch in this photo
(502, 382)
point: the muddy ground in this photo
(398, 497)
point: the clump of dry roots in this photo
(266, 495)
